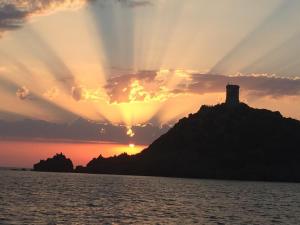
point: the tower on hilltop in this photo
(232, 94)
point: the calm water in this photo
(51, 198)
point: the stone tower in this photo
(232, 94)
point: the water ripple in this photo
(52, 199)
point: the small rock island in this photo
(226, 141)
(59, 163)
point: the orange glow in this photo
(130, 132)
(26, 153)
(132, 145)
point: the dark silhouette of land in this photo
(226, 141)
(59, 163)
(218, 142)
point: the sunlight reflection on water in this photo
(51, 198)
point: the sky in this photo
(24, 154)
(129, 63)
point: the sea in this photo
(28, 197)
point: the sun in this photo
(131, 145)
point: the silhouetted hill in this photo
(59, 163)
(223, 142)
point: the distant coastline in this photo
(15, 168)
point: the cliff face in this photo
(59, 163)
(226, 142)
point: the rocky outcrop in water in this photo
(59, 163)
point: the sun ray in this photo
(69, 59)
(261, 37)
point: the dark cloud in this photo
(11, 17)
(11, 116)
(14, 13)
(261, 85)
(80, 130)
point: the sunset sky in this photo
(134, 62)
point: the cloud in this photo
(130, 132)
(77, 93)
(51, 93)
(23, 93)
(11, 116)
(148, 86)
(255, 84)
(14, 13)
(125, 3)
(80, 130)
(143, 86)
(159, 85)
(11, 17)
(55, 112)
(135, 3)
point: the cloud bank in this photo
(260, 85)
(155, 85)
(80, 130)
